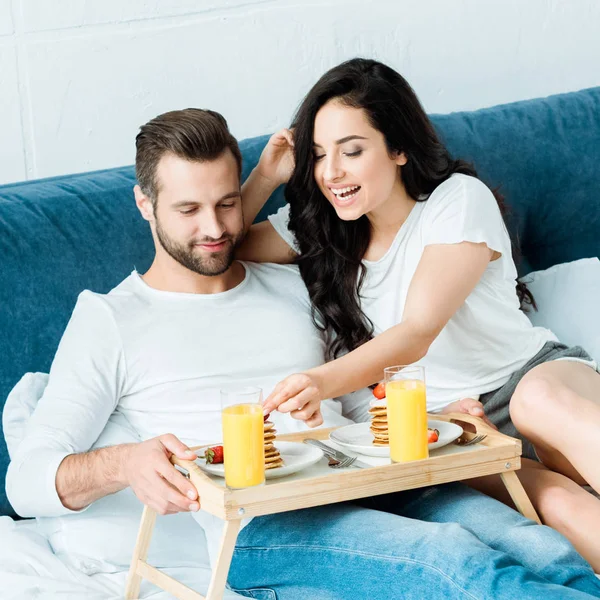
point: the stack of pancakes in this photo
(272, 457)
(379, 424)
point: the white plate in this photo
(296, 456)
(358, 438)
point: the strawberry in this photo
(379, 391)
(433, 435)
(214, 455)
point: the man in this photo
(149, 358)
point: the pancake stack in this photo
(379, 423)
(272, 457)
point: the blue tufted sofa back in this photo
(61, 235)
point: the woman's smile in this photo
(344, 195)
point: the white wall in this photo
(78, 77)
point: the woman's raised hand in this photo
(300, 395)
(276, 162)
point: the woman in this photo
(407, 259)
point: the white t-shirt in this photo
(488, 338)
(156, 360)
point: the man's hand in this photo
(300, 395)
(468, 406)
(276, 162)
(155, 480)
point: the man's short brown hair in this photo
(193, 134)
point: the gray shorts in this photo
(496, 402)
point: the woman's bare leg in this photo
(557, 407)
(560, 502)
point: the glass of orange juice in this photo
(243, 436)
(406, 412)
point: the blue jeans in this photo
(440, 542)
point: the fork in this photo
(332, 455)
(475, 440)
(334, 463)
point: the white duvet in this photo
(30, 569)
(86, 555)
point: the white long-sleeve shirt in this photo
(155, 361)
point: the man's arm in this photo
(86, 380)
(84, 478)
(51, 473)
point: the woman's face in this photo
(353, 168)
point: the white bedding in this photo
(29, 569)
(86, 555)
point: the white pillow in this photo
(568, 299)
(19, 406)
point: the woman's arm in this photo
(255, 192)
(444, 278)
(262, 243)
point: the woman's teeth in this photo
(347, 192)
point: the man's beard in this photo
(203, 265)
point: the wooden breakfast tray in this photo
(318, 485)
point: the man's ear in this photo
(401, 159)
(143, 203)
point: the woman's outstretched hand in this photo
(276, 162)
(300, 395)
(469, 406)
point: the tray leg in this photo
(519, 496)
(221, 569)
(140, 552)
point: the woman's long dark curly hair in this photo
(331, 250)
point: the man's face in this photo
(198, 212)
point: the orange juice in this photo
(243, 445)
(407, 419)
